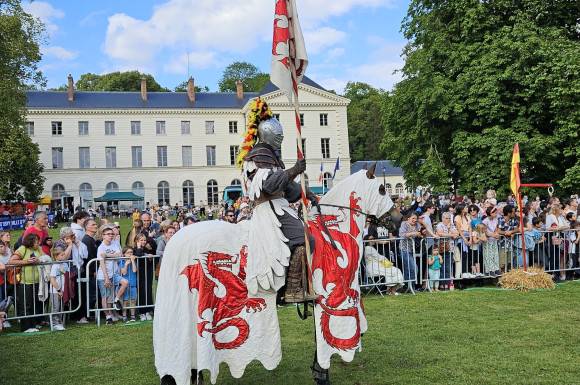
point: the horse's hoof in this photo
(196, 377)
(168, 380)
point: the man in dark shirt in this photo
(89, 283)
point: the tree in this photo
(479, 76)
(252, 79)
(182, 87)
(19, 56)
(118, 81)
(364, 120)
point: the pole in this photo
(300, 150)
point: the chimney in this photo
(70, 88)
(190, 90)
(240, 89)
(144, 88)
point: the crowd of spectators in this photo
(463, 238)
(458, 239)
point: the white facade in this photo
(127, 174)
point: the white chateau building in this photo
(172, 147)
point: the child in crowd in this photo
(129, 272)
(434, 260)
(145, 271)
(57, 276)
(478, 238)
(108, 277)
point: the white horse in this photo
(205, 316)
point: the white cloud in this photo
(46, 13)
(322, 38)
(378, 70)
(59, 53)
(335, 53)
(197, 60)
(216, 27)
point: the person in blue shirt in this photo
(128, 267)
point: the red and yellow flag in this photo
(515, 176)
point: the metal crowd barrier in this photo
(384, 264)
(140, 291)
(34, 299)
(557, 252)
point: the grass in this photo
(469, 337)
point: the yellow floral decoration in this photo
(259, 111)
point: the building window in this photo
(160, 127)
(57, 161)
(84, 157)
(186, 156)
(138, 188)
(135, 127)
(212, 193)
(56, 128)
(188, 197)
(86, 194)
(163, 193)
(304, 147)
(185, 127)
(210, 154)
(324, 119)
(325, 147)
(236, 182)
(83, 128)
(209, 127)
(233, 127)
(161, 156)
(327, 181)
(109, 128)
(110, 157)
(234, 150)
(389, 189)
(399, 189)
(302, 119)
(276, 116)
(30, 128)
(137, 156)
(111, 187)
(58, 191)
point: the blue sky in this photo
(346, 40)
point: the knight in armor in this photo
(271, 187)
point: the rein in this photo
(344, 207)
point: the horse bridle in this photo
(342, 207)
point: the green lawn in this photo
(469, 337)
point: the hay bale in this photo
(534, 278)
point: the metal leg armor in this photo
(296, 280)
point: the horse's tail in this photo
(332, 340)
(243, 333)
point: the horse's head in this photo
(373, 196)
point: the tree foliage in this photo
(252, 79)
(20, 35)
(117, 81)
(182, 87)
(480, 76)
(364, 120)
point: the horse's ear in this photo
(371, 170)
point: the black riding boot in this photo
(320, 376)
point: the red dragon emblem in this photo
(342, 300)
(224, 293)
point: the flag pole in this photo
(300, 150)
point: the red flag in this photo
(286, 27)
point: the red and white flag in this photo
(287, 28)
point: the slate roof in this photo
(384, 167)
(128, 100)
